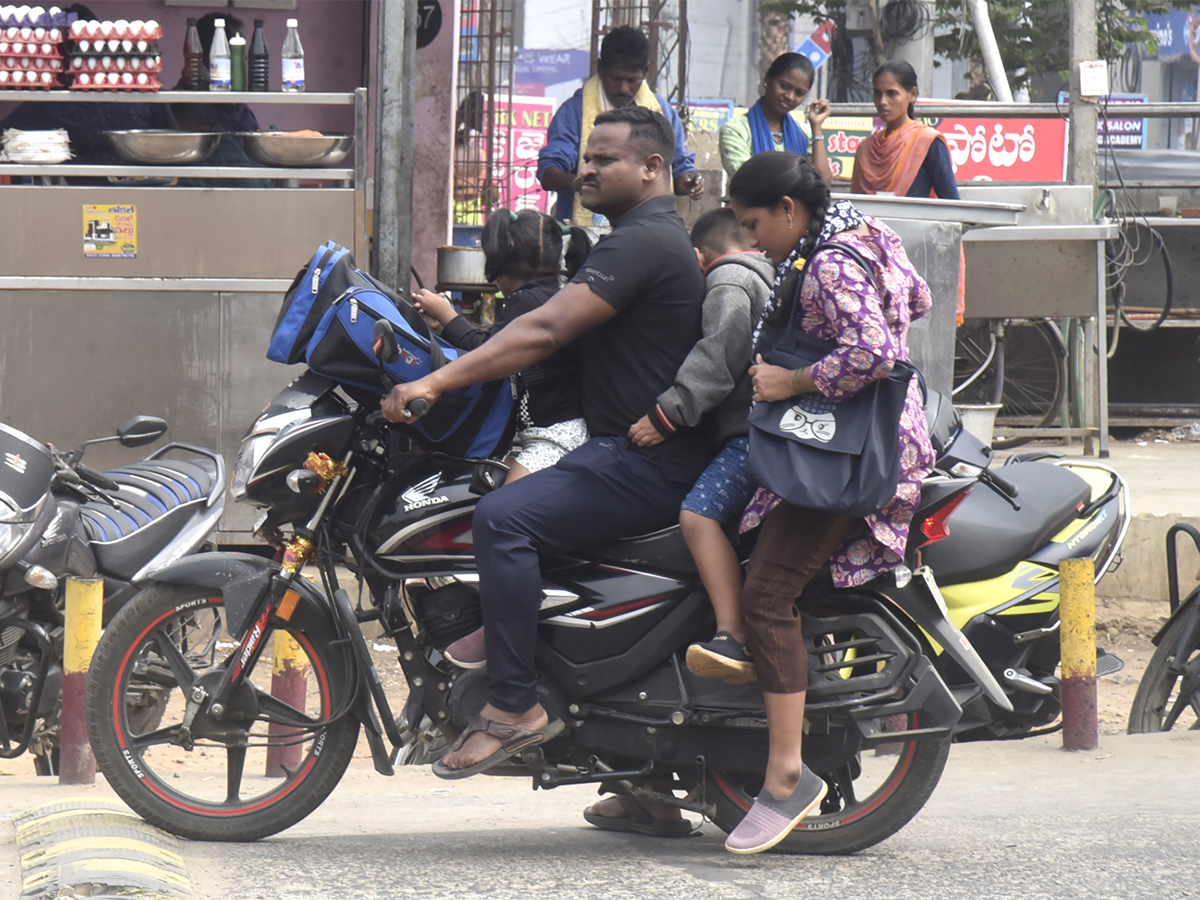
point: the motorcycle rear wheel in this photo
(895, 786)
(1168, 696)
(214, 790)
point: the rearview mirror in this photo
(141, 430)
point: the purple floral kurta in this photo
(838, 303)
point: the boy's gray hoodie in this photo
(714, 380)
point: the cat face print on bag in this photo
(811, 418)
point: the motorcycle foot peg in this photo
(534, 758)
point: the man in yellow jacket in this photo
(621, 81)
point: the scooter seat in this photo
(154, 502)
(988, 537)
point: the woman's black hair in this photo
(531, 243)
(905, 75)
(787, 62)
(763, 181)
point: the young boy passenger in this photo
(714, 384)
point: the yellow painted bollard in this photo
(289, 683)
(85, 609)
(1077, 612)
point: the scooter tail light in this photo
(937, 526)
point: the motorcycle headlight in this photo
(248, 459)
(255, 447)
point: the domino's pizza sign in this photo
(819, 45)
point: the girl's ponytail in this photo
(579, 245)
(499, 244)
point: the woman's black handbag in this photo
(842, 457)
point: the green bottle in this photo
(237, 55)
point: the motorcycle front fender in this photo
(242, 579)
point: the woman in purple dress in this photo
(784, 204)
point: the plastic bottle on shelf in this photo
(293, 59)
(258, 73)
(220, 75)
(193, 58)
(237, 55)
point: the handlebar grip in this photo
(1003, 485)
(418, 407)
(99, 479)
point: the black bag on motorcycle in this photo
(843, 457)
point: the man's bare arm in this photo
(555, 179)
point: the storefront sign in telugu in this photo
(109, 231)
(981, 149)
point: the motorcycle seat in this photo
(660, 551)
(154, 502)
(988, 537)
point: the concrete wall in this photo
(1143, 571)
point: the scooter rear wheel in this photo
(208, 782)
(893, 788)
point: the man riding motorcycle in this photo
(638, 301)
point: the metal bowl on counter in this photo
(279, 148)
(160, 147)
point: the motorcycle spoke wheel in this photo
(870, 797)
(210, 780)
(1168, 696)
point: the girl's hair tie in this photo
(566, 229)
(513, 215)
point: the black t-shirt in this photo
(647, 271)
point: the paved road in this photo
(1010, 820)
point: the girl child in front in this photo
(524, 257)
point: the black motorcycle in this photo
(61, 518)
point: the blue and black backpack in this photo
(327, 320)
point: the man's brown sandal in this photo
(512, 741)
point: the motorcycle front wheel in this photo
(207, 779)
(870, 797)
(1168, 696)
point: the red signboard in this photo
(1006, 149)
(992, 149)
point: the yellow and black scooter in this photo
(996, 557)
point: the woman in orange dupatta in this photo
(905, 157)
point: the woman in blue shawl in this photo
(769, 124)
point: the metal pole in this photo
(992, 63)
(1082, 158)
(389, 108)
(408, 111)
(1077, 611)
(85, 608)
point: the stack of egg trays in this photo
(114, 56)
(31, 47)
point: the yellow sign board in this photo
(110, 231)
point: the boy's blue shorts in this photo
(723, 489)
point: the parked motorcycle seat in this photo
(988, 537)
(154, 502)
